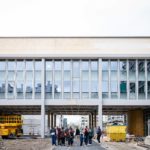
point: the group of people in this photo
(63, 136)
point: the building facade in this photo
(89, 76)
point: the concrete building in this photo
(83, 76)
(84, 121)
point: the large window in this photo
(11, 79)
(67, 79)
(123, 79)
(49, 79)
(85, 79)
(105, 79)
(148, 79)
(94, 79)
(114, 79)
(76, 79)
(58, 79)
(141, 89)
(132, 79)
(37, 83)
(29, 79)
(2, 78)
(132, 90)
(20, 79)
(132, 70)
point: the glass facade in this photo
(126, 79)
(75, 79)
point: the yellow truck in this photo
(11, 125)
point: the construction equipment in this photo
(11, 125)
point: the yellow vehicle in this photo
(11, 125)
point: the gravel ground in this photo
(45, 144)
(27, 144)
(121, 146)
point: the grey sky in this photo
(74, 17)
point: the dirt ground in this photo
(121, 146)
(45, 144)
(26, 144)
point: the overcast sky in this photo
(74, 18)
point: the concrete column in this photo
(90, 121)
(55, 120)
(100, 116)
(100, 119)
(95, 125)
(48, 120)
(43, 100)
(52, 120)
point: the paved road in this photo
(76, 146)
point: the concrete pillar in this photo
(55, 120)
(100, 116)
(48, 120)
(136, 122)
(43, 100)
(95, 125)
(52, 125)
(90, 120)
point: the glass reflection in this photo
(105, 89)
(20, 65)
(2, 65)
(114, 89)
(38, 65)
(123, 89)
(10, 90)
(148, 70)
(49, 79)
(141, 89)
(19, 90)
(37, 90)
(67, 80)
(2, 89)
(141, 70)
(85, 65)
(94, 65)
(29, 90)
(132, 87)
(148, 90)
(132, 70)
(11, 65)
(29, 65)
(123, 70)
(76, 69)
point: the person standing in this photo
(90, 136)
(71, 136)
(86, 135)
(53, 135)
(81, 138)
(77, 133)
(99, 133)
(62, 136)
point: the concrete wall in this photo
(75, 47)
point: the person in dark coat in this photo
(62, 136)
(53, 135)
(81, 138)
(99, 133)
(90, 136)
(86, 135)
(71, 136)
